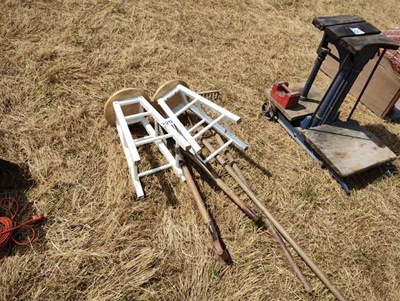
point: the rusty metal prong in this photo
(211, 94)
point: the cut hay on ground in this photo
(61, 60)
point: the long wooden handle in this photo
(275, 234)
(225, 188)
(231, 161)
(311, 264)
(212, 228)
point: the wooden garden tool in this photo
(246, 188)
(218, 244)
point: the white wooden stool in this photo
(131, 106)
(175, 97)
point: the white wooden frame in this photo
(130, 145)
(192, 101)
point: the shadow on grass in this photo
(15, 181)
(253, 163)
(165, 184)
(363, 179)
(388, 138)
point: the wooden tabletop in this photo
(347, 148)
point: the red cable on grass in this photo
(8, 226)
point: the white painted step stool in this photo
(174, 98)
(130, 106)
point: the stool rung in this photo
(146, 140)
(136, 117)
(210, 125)
(129, 101)
(218, 151)
(196, 125)
(151, 171)
(186, 107)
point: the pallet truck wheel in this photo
(126, 93)
(269, 111)
(165, 88)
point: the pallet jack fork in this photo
(342, 147)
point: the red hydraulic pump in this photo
(284, 96)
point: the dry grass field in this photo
(61, 60)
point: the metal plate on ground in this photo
(303, 108)
(347, 148)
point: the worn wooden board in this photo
(383, 90)
(347, 148)
(303, 108)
